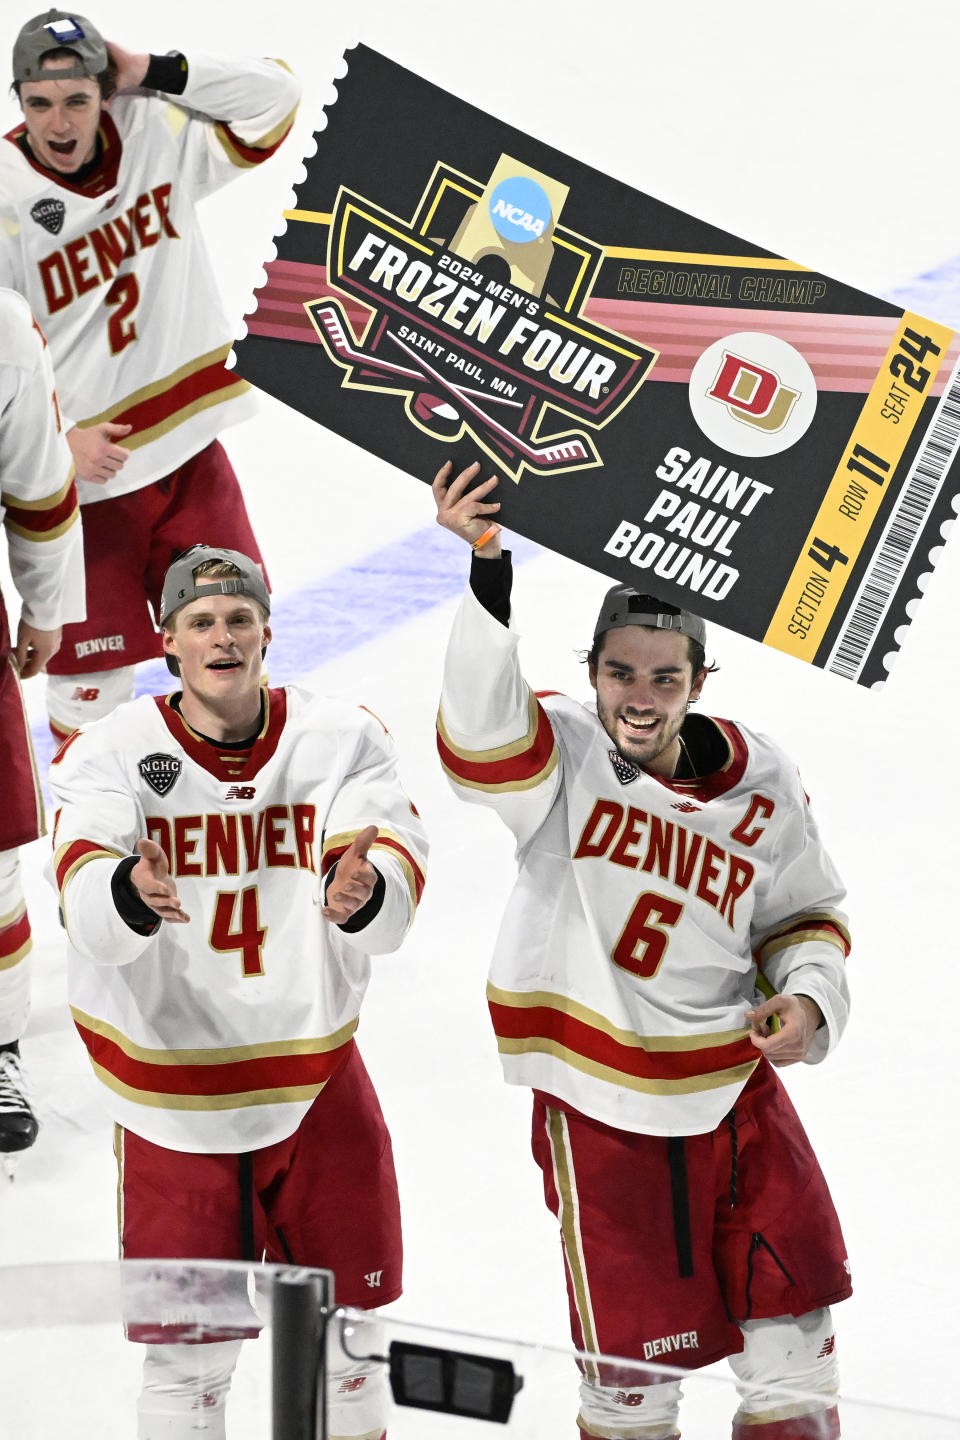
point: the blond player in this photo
(228, 858)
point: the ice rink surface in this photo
(824, 133)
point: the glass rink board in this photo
(72, 1340)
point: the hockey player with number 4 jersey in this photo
(100, 230)
(228, 858)
(670, 876)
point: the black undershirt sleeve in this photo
(492, 581)
(362, 917)
(132, 910)
(166, 73)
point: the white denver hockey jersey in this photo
(630, 947)
(217, 1035)
(38, 497)
(116, 268)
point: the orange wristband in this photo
(487, 535)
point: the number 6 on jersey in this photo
(643, 930)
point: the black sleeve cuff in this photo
(167, 73)
(492, 581)
(130, 907)
(362, 917)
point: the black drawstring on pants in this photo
(734, 1155)
(245, 1177)
(677, 1160)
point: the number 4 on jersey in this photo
(249, 936)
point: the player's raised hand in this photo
(353, 881)
(799, 1018)
(131, 68)
(467, 514)
(96, 455)
(151, 879)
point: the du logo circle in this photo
(519, 209)
(753, 393)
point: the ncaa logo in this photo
(519, 209)
(753, 394)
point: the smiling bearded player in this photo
(228, 859)
(670, 874)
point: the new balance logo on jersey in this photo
(89, 692)
(373, 1278)
(686, 806)
(623, 1397)
(350, 1386)
(241, 792)
(828, 1347)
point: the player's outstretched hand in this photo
(353, 881)
(799, 1018)
(467, 515)
(96, 455)
(150, 877)
(34, 648)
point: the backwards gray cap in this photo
(180, 586)
(46, 32)
(625, 606)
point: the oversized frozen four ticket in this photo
(665, 403)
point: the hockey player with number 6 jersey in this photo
(670, 876)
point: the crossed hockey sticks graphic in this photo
(571, 451)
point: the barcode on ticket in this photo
(878, 587)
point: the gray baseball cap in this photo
(180, 586)
(46, 32)
(625, 606)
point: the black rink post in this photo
(302, 1303)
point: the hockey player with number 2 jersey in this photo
(228, 858)
(100, 230)
(670, 876)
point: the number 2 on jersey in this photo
(644, 939)
(249, 937)
(121, 329)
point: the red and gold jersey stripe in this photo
(44, 519)
(539, 1022)
(104, 177)
(227, 764)
(163, 405)
(335, 845)
(15, 941)
(519, 765)
(245, 153)
(213, 1079)
(76, 853)
(65, 739)
(803, 928)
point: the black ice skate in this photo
(18, 1124)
